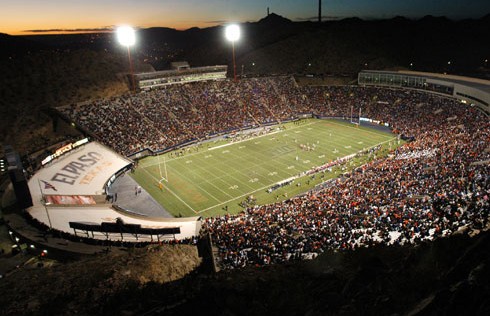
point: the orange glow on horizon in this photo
(32, 17)
(21, 17)
(79, 30)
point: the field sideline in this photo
(215, 177)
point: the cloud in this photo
(216, 22)
(315, 18)
(80, 30)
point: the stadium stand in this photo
(433, 186)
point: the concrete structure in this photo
(180, 74)
(471, 91)
(72, 188)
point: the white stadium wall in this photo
(71, 188)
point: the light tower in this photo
(319, 11)
(232, 33)
(126, 37)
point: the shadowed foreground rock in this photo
(449, 276)
(90, 286)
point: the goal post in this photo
(163, 176)
(353, 119)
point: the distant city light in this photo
(126, 35)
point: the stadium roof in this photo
(479, 84)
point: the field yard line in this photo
(279, 159)
(200, 152)
(241, 141)
(172, 159)
(262, 188)
(214, 178)
(221, 178)
(244, 171)
(218, 200)
(253, 138)
(217, 166)
(174, 194)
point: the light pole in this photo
(126, 37)
(232, 33)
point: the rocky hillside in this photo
(96, 285)
(448, 277)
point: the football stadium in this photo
(169, 158)
(270, 170)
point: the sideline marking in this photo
(169, 190)
(267, 186)
(252, 138)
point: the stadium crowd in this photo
(163, 118)
(430, 187)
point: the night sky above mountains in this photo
(60, 16)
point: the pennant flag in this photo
(48, 185)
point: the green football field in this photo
(216, 177)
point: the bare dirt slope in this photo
(450, 276)
(87, 286)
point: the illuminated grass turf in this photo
(223, 173)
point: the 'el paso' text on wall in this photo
(75, 169)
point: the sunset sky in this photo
(24, 17)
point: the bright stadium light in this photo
(232, 33)
(126, 37)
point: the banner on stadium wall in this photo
(305, 115)
(69, 199)
(365, 119)
(64, 149)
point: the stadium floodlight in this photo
(232, 33)
(126, 37)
